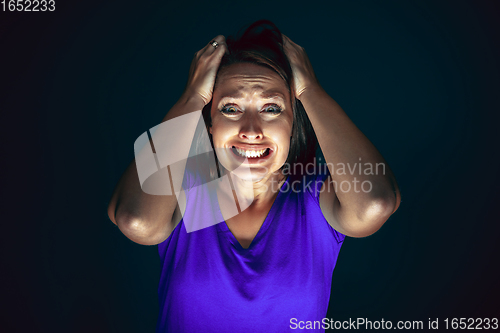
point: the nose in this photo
(250, 129)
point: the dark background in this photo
(79, 85)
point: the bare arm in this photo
(144, 218)
(362, 201)
(354, 212)
(149, 219)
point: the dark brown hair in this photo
(261, 43)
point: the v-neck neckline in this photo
(223, 227)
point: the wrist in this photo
(310, 91)
(186, 104)
(192, 101)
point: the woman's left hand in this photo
(303, 73)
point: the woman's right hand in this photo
(204, 69)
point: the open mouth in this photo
(251, 153)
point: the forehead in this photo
(244, 79)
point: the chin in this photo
(249, 174)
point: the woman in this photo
(262, 258)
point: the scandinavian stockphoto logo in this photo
(177, 158)
(168, 151)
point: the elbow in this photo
(373, 215)
(379, 209)
(136, 229)
(112, 213)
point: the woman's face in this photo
(251, 120)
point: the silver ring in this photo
(214, 43)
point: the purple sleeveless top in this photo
(210, 283)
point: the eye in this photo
(273, 109)
(229, 109)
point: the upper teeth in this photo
(250, 153)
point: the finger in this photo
(288, 40)
(287, 43)
(223, 46)
(221, 43)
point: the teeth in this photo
(250, 153)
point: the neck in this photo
(257, 193)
